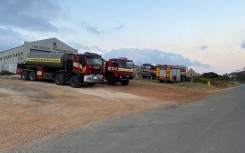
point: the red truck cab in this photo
(118, 70)
(89, 65)
(148, 71)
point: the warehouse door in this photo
(12, 68)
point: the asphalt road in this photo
(215, 124)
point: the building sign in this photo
(63, 50)
(21, 58)
(40, 47)
(55, 49)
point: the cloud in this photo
(199, 64)
(33, 15)
(86, 48)
(9, 39)
(95, 29)
(203, 47)
(90, 28)
(140, 56)
(118, 26)
(243, 44)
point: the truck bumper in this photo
(126, 77)
(93, 78)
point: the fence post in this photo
(209, 83)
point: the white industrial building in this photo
(9, 58)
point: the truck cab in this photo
(89, 66)
(148, 71)
(118, 70)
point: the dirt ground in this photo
(34, 110)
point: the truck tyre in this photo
(75, 82)
(91, 84)
(59, 79)
(174, 80)
(24, 75)
(124, 82)
(182, 79)
(33, 75)
(153, 77)
(112, 80)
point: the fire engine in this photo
(172, 73)
(148, 71)
(118, 70)
(62, 68)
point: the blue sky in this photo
(209, 31)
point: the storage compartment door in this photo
(163, 73)
(178, 75)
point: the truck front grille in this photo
(95, 71)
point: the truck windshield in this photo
(125, 64)
(148, 67)
(94, 61)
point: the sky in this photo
(208, 31)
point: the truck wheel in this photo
(59, 79)
(124, 82)
(182, 79)
(91, 84)
(75, 82)
(33, 75)
(112, 80)
(153, 77)
(24, 75)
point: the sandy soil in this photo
(34, 110)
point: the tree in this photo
(241, 76)
(238, 76)
(210, 75)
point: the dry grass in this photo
(33, 110)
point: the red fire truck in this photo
(148, 71)
(62, 68)
(118, 70)
(172, 73)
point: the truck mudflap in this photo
(93, 78)
(18, 71)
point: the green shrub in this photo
(188, 79)
(219, 82)
(6, 73)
